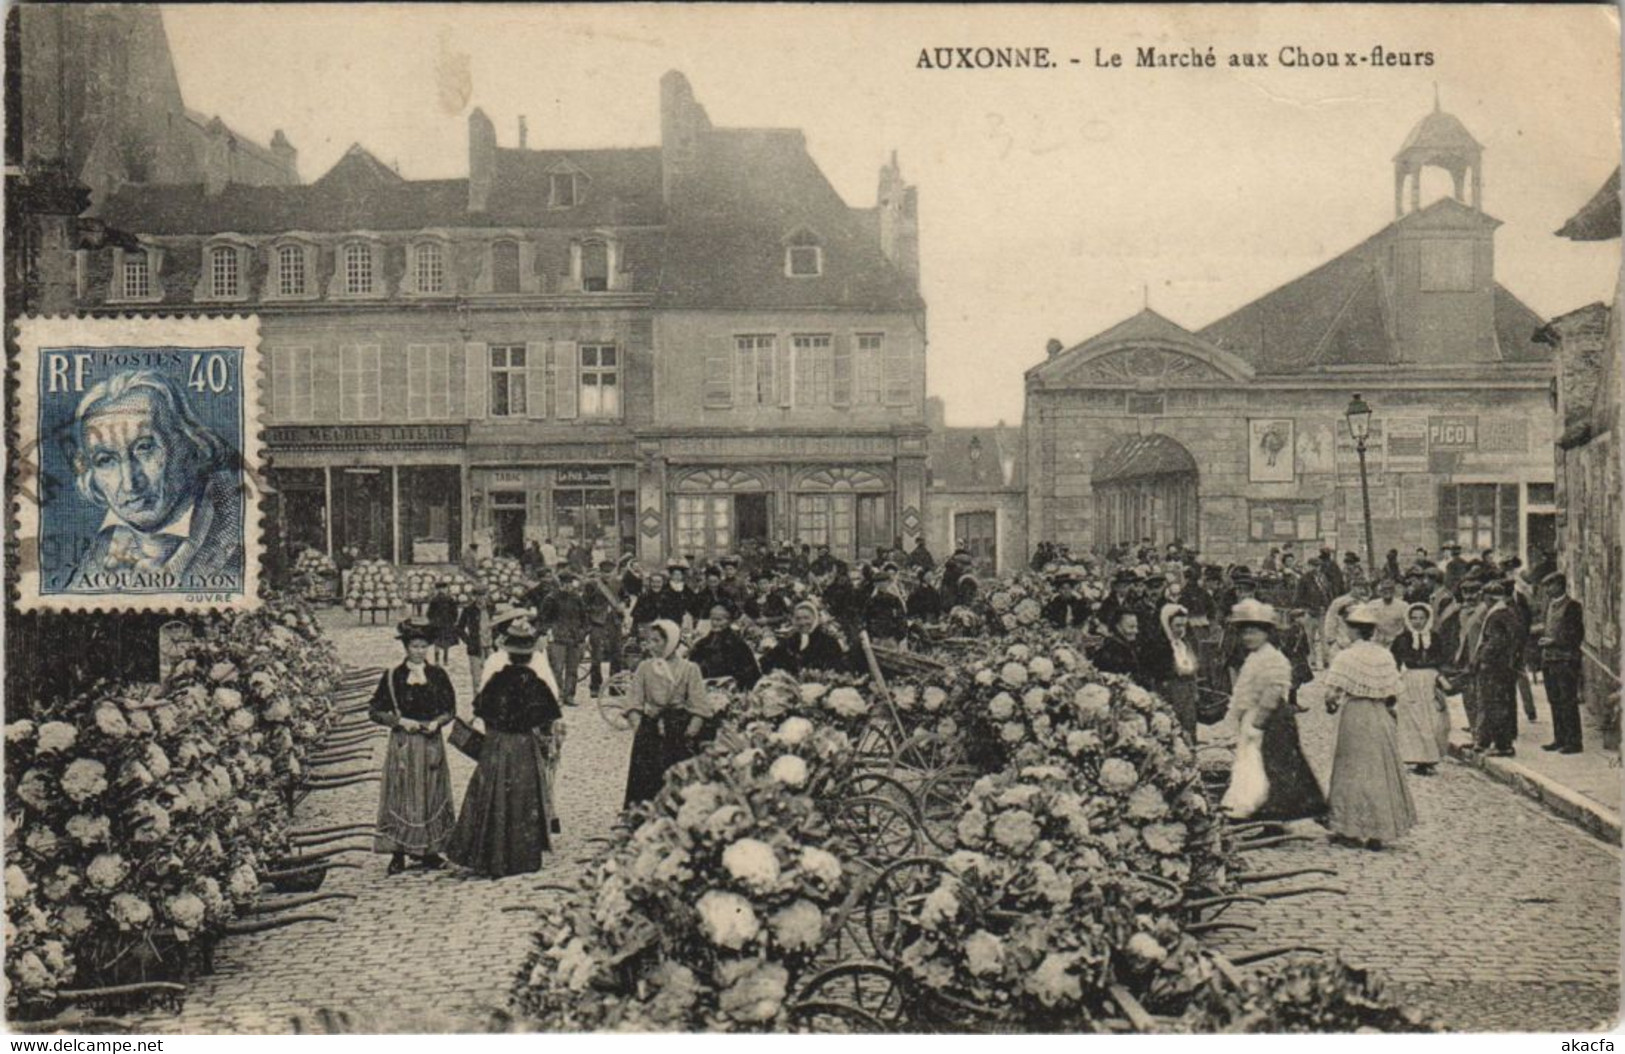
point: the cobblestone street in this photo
(1491, 915)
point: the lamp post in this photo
(1359, 419)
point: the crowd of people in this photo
(1389, 649)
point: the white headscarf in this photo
(1184, 654)
(671, 635)
(536, 660)
(1421, 639)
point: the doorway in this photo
(874, 524)
(750, 518)
(364, 501)
(508, 522)
(1541, 540)
(978, 534)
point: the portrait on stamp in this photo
(144, 493)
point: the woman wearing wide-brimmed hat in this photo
(415, 700)
(1271, 779)
(670, 705)
(507, 814)
(1369, 801)
(1424, 720)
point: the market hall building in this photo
(1232, 438)
(659, 350)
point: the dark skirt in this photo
(1294, 792)
(658, 744)
(415, 814)
(1180, 695)
(503, 828)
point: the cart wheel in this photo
(892, 896)
(941, 800)
(869, 989)
(880, 785)
(612, 702)
(881, 830)
(833, 1018)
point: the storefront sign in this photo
(366, 435)
(581, 477)
(1453, 433)
(502, 476)
(1407, 441)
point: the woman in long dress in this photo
(669, 703)
(1424, 721)
(415, 700)
(1176, 678)
(507, 815)
(1270, 779)
(1369, 801)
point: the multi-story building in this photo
(1587, 465)
(667, 349)
(976, 493)
(1233, 438)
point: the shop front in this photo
(593, 505)
(390, 492)
(727, 509)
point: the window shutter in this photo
(325, 380)
(438, 382)
(393, 394)
(744, 374)
(1447, 513)
(417, 382)
(784, 368)
(840, 371)
(117, 284)
(719, 374)
(536, 379)
(899, 383)
(566, 379)
(1507, 529)
(281, 383)
(806, 360)
(476, 378)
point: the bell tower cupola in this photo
(1439, 140)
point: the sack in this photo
(1249, 787)
(466, 738)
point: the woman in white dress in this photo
(1271, 779)
(1369, 801)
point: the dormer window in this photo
(428, 267)
(356, 266)
(292, 275)
(225, 273)
(562, 190)
(505, 266)
(803, 254)
(594, 267)
(137, 276)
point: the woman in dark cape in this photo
(415, 700)
(1271, 779)
(507, 810)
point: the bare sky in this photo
(1049, 199)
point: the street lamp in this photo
(1359, 419)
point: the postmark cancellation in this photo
(136, 463)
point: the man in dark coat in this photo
(735, 586)
(885, 615)
(604, 616)
(442, 615)
(806, 647)
(564, 615)
(1120, 600)
(924, 602)
(1560, 661)
(1494, 666)
(724, 653)
(1455, 568)
(677, 602)
(920, 558)
(824, 564)
(474, 629)
(1067, 609)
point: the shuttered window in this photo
(509, 378)
(360, 397)
(868, 367)
(292, 384)
(428, 381)
(814, 365)
(754, 369)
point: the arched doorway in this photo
(1145, 487)
(847, 509)
(719, 510)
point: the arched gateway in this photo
(1145, 487)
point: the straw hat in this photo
(1252, 612)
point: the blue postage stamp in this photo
(136, 463)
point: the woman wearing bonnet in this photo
(1177, 667)
(508, 814)
(670, 707)
(1369, 801)
(1270, 780)
(415, 700)
(1424, 720)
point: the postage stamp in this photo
(135, 459)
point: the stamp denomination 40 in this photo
(137, 445)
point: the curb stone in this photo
(1595, 819)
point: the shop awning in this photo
(1143, 457)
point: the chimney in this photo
(899, 221)
(286, 155)
(683, 123)
(482, 159)
(523, 137)
(1053, 348)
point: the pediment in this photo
(1148, 365)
